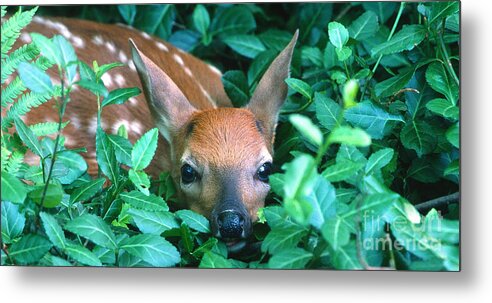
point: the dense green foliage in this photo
(370, 130)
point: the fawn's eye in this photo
(188, 174)
(264, 172)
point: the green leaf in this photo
(382, 9)
(247, 45)
(141, 201)
(72, 165)
(94, 229)
(453, 135)
(153, 222)
(406, 39)
(152, 249)
(346, 257)
(29, 249)
(120, 95)
(312, 55)
(86, 73)
(294, 258)
(364, 27)
(336, 232)
(213, 260)
(92, 86)
(453, 168)
(68, 56)
(343, 53)
(13, 190)
(341, 171)
(440, 10)
(53, 198)
(373, 119)
(122, 149)
(35, 78)
(394, 84)
(141, 180)
(128, 12)
(87, 190)
(307, 128)
(46, 128)
(328, 112)
(442, 229)
(301, 87)
(186, 238)
(28, 137)
(338, 34)
(144, 149)
(322, 200)
(105, 156)
(194, 220)
(379, 159)
(350, 136)
(201, 19)
(48, 48)
(444, 108)
(417, 135)
(53, 230)
(82, 255)
(13, 221)
(101, 70)
(439, 80)
(236, 87)
(233, 20)
(279, 240)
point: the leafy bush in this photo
(370, 131)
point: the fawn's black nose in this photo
(231, 224)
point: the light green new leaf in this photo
(350, 136)
(141, 201)
(152, 249)
(247, 45)
(278, 240)
(406, 39)
(194, 220)
(29, 249)
(48, 48)
(53, 230)
(13, 221)
(379, 159)
(343, 53)
(307, 128)
(201, 19)
(82, 255)
(341, 170)
(13, 189)
(338, 34)
(322, 200)
(94, 229)
(120, 95)
(141, 180)
(87, 190)
(144, 149)
(294, 258)
(35, 78)
(68, 56)
(153, 222)
(444, 108)
(364, 27)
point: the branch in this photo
(438, 202)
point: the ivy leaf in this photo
(247, 45)
(144, 149)
(438, 79)
(87, 190)
(417, 135)
(13, 189)
(364, 27)
(153, 249)
(29, 249)
(194, 220)
(155, 223)
(35, 78)
(328, 112)
(82, 255)
(120, 95)
(338, 34)
(444, 108)
(53, 230)
(307, 128)
(13, 221)
(406, 39)
(294, 258)
(141, 201)
(94, 229)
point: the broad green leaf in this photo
(82, 255)
(141, 180)
(153, 222)
(406, 39)
(247, 45)
(350, 136)
(451, 257)
(128, 12)
(106, 157)
(71, 166)
(86, 73)
(277, 217)
(364, 27)
(28, 137)
(29, 249)
(194, 220)
(68, 57)
(394, 84)
(440, 10)
(423, 170)
(152, 249)
(53, 230)
(312, 55)
(205, 247)
(120, 95)
(13, 190)
(341, 170)
(101, 70)
(343, 53)
(417, 135)
(294, 258)
(260, 65)
(438, 79)
(122, 149)
(453, 135)
(213, 260)
(322, 200)
(48, 48)
(328, 112)
(275, 39)
(141, 201)
(186, 238)
(442, 229)
(106, 256)
(453, 168)
(346, 257)
(336, 232)
(13, 221)
(453, 23)
(201, 19)
(351, 153)
(307, 128)
(144, 149)
(338, 34)
(94, 87)
(35, 78)
(278, 240)
(94, 229)
(236, 87)
(382, 9)
(373, 204)
(444, 107)
(53, 196)
(233, 20)
(87, 191)
(301, 87)
(379, 159)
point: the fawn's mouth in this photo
(235, 245)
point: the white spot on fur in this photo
(162, 46)
(178, 59)
(107, 79)
(133, 101)
(120, 80)
(215, 70)
(25, 37)
(75, 121)
(146, 36)
(78, 42)
(122, 56)
(188, 71)
(97, 40)
(131, 65)
(207, 95)
(137, 127)
(92, 127)
(38, 19)
(119, 123)
(110, 46)
(69, 140)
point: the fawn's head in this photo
(221, 157)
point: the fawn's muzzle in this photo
(230, 224)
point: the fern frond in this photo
(3, 10)
(14, 162)
(16, 87)
(24, 53)
(46, 128)
(5, 155)
(11, 29)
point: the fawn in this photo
(218, 156)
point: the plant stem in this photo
(448, 64)
(438, 202)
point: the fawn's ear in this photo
(270, 94)
(169, 106)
